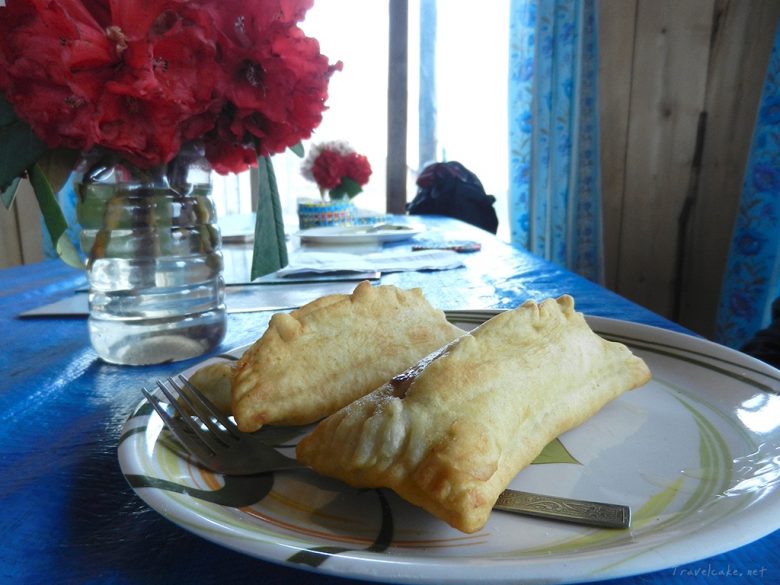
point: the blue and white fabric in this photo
(554, 193)
(752, 278)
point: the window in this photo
(355, 32)
(472, 69)
(469, 113)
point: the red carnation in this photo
(357, 168)
(327, 169)
(336, 168)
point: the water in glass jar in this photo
(155, 273)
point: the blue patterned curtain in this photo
(555, 191)
(752, 278)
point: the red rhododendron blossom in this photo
(143, 78)
(174, 65)
(225, 153)
(275, 90)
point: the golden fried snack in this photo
(312, 361)
(450, 433)
(213, 381)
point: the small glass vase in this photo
(156, 290)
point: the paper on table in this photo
(307, 277)
(392, 260)
(252, 298)
(238, 299)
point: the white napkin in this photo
(385, 261)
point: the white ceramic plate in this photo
(357, 234)
(694, 453)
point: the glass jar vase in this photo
(154, 259)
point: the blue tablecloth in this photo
(67, 514)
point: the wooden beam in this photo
(617, 21)
(397, 95)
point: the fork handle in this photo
(565, 509)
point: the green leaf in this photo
(347, 187)
(53, 218)
(298, 149)
(20, 148)
(9, 193)
(7, 113)
(67, 252)
(555, 452)
(270, 251)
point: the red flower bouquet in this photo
(337, 169)
(143, 78)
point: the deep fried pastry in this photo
(213, 381)
(450, 433)
(313, 361)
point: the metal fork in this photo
(215, 441)
(211, 437)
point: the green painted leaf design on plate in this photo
(555, 452)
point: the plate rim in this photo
(408, 231)
(504, 572)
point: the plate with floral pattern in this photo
(694, 453)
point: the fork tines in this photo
(194, 412)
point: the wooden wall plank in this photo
(20, 230)
(10, 248)
(616, 54)
(741, 45)
(29, 220)
(671, 53)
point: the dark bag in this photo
(451, 189)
